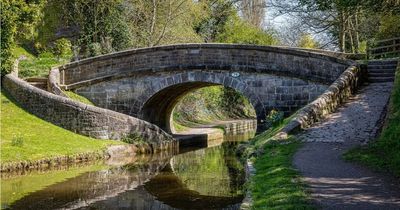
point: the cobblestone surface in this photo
(334, 183)
(355, 121)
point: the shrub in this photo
(62, 48)
(94, 49)
(274, 118)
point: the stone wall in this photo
(84, 119)
(152, 97)
(240, 127)
(328, 102)
(250, 58)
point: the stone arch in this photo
(157, 107)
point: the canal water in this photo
(196, 178)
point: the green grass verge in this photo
(77, 97)
(276, 184)
(27, 137)
(383, 154)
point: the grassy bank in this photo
(383, 154)
(74, 96)
(276, 184)
(210, 104)
(36, 66)
(27, 137)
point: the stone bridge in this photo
(147, 83)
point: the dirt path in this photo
(334, 183)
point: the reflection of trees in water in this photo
(211, 171)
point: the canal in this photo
(202, 176)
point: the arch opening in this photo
(162, 108)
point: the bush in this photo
(94, 49)
(274, 118)
(45, 55)
(241, 32)
(62, 48)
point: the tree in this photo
(253, 11)
(18, 19)
(216, 15)
(307, 41)
(349, 23)
(96, 21)
(155, 22)
(239, 31)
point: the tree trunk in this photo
(342, 32)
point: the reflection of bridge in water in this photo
(210, 178)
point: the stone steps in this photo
(382, 62)
(380, 79)
(381, 74)
(391, 71)
(391, 66)
(39, 82)
(381, 70)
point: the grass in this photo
(383, 154)
(27, 137)
(276, 184)
(74, 96)
(36, 66)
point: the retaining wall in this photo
(84, 119)
(328, 102)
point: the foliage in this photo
(211, 104)
(389, 27)
(94, 49)
(215, 16)
(62, 48)
(41, 65)
(307, 41)
(239, 31)
(41, 139)
(383, 154)
(101, 22)
(155, 22)
(18, 19)
(274, 118)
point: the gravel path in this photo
(334, 183)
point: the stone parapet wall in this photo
(232, 57)
(328, 102)
(84, 119)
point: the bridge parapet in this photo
(231, 57)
